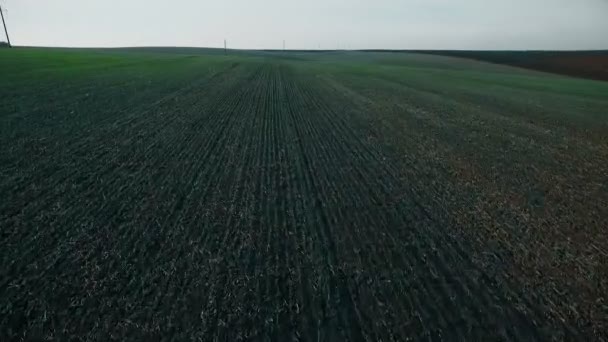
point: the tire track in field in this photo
(221, 243)
(332, 288)
(331, 324)
(265, 239)
(261, 270)
(287, 196)
(304, 314)
(325, 155)
(338, 171)
(239, 294)
(255, 290)
(282, 282)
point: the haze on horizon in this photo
(312, 24)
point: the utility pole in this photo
(283, 45)
(8, 40)
(225, 51)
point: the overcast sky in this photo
(310, 24)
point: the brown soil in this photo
(584, 64)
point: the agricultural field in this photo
(187, 195)
(586, 64)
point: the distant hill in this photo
(585, 64)
(591, 64)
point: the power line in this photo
(8, 40)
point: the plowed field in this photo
(324, 198)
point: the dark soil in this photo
(584, 64)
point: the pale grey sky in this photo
(308, 24)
